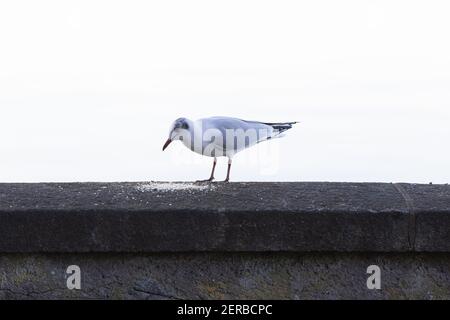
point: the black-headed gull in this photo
(223, 136)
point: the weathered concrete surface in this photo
(431, 205)
(225, 276)
(224, 241)
(139, 217)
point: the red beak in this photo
(166, 144)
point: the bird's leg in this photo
(213, 169)
(227, 179)
(212, 172)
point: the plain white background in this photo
(88, 89)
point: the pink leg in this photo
(228, 172)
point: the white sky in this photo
(88, 89)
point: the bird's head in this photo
(178, 130)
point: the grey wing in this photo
(233, 135)
(257, 131)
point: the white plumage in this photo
(223, 136)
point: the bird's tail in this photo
(280, 127)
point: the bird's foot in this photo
(207, 180)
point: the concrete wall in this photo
(224, 241)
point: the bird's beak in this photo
(166, 144)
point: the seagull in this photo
(223, 136)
